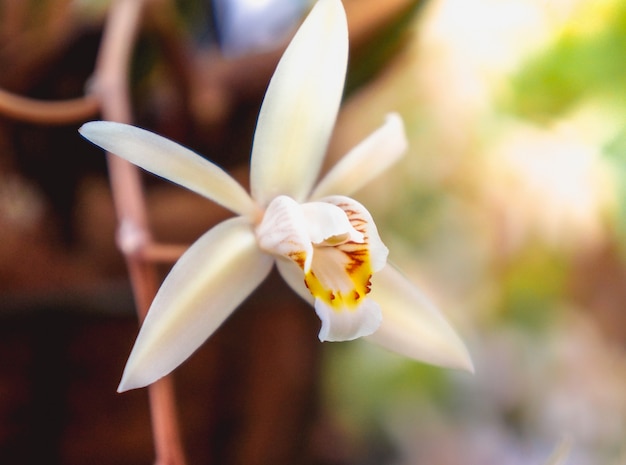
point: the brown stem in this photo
(112, 87)
(42, 112)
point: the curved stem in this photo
(111, 85)
(44, 112)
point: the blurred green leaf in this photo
(578, 66)
(532, 286)
(615, 151)
(364, 382)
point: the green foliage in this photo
(533, 287)
(363, 382)
(422, 208)
(577, 67)
(616, 154)
(371, 57)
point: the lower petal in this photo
(342, 322)
(346, 324)
(412, 325)
(206, 284)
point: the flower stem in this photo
(111, 85)
(37, 111)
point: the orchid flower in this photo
(323, 243)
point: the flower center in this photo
(336, 246)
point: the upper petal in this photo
(300, 107)
(364, 162)
(170, 160)
(206, 284)
(412, 326)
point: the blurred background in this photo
(508, 211)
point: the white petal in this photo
(363, 222)
(330, 276)
(368, 159)
(412, 326)
(300, 107)
(346, 324)
(328, 224)
(337, 324)
(289, 229)
(208, 282)
(283, 232)
(170, 160)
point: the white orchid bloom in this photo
(325, 244)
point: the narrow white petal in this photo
(368, 159)
(346, 324)
(300, 107)
(170, 160)
(412, 326)
(208, 282)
